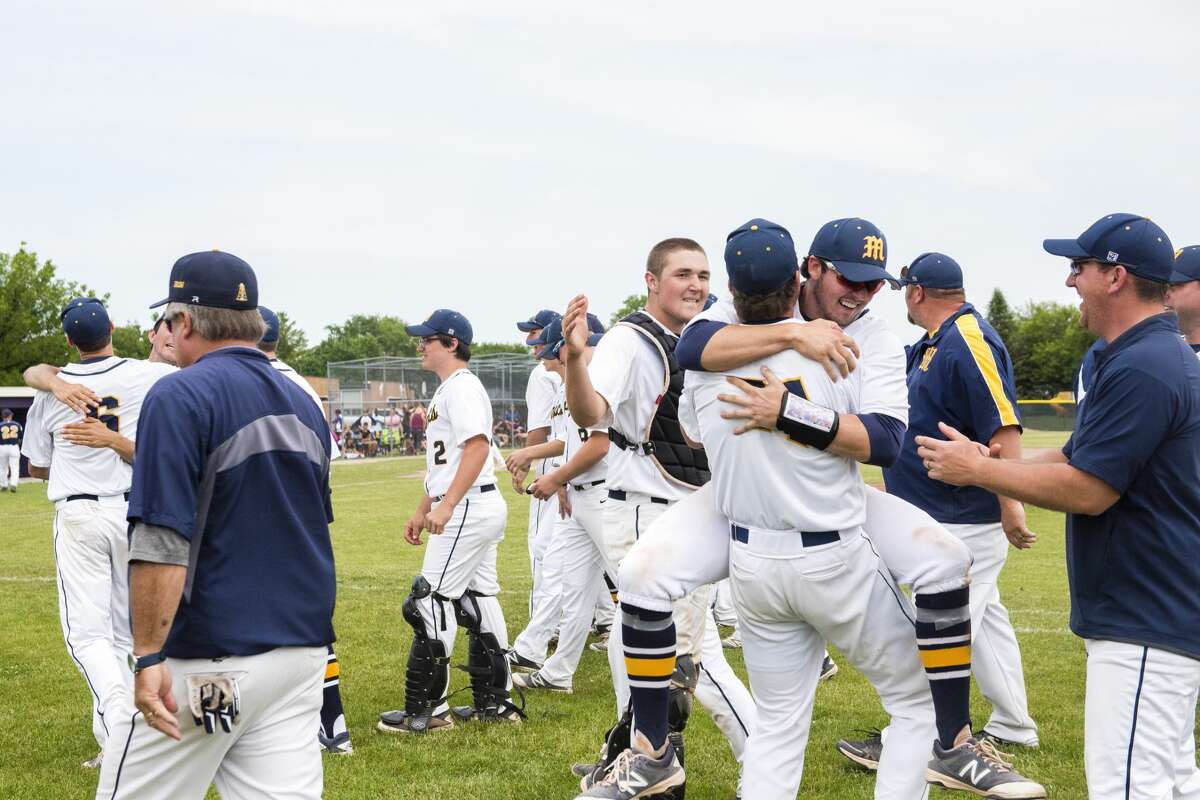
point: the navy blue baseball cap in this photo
(269, 317)
(759, 256)
(84, 319)
(550, 340)
(1187, 264)
(1132, 241)
(712, 298)
(933, 271)
(856, 248)
(444, 322)
(539, 320)
(212, 278)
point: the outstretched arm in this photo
(77, 397)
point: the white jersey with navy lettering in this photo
(459, 411)
(803, 488)
(121, 384)
(572, 435)
(302, 382)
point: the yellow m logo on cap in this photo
(241, 295)
(873, 248)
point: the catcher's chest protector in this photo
(664, 442)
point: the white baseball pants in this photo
(543, 516)
(1140, 723)
(464, 557)
(91, 553)
(10, 465)
(719, 690)
(790, 600)
(271, 751)
(995, 654)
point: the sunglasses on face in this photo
(868, 286)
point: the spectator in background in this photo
(393, 420)
(417, 422)
(339, 425)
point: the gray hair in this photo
(220, 324)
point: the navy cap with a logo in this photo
(1132, 241)
(759, 256)
(444, 322)
(539, 320)
(856, 248)
(272, 320)
(1187, 264)
(933, 271)
(84, 319)
(212, 278)
(550, 341)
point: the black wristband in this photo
(806, 422)
(146, 661)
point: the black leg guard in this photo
(486, 664)
(616, 741)
(428, 662)
(683, 687)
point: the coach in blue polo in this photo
(231, 576)
(1129, 480)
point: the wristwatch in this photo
(136, 665)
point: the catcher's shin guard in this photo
(428, 662)
(486, 662)
(683, 687)
(616, 741)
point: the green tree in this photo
(1000, 316)
(129, 341)
(31, 298)
(628, 306)
(487, 348)
(361, 336)
(292, 341)
(1046, 347)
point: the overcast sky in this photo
(389, 158)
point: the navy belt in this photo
(579, 487)
(619, 494)
(807, 538)
(491, 487)
(92, 497)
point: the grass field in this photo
(44, 711)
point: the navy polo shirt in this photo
(235, 457)
(1134, 570)
(960, 374)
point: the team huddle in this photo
(696, 443)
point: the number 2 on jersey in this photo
(105, 413)
(439, 453)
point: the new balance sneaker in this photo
(829, 668)
(93, 763)
(400, 722)
(535, 680)
(601, 645)
(864, 752)
(732, 642)
(977, 766)
(634, 775)
(518, 661)
(337, 746)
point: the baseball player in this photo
(575, 549)
(231, 568)
(162, 345)
(800, 567)
(466, 515)
(89, 486)
(845, 269)
(1129, 483)
(11, 432)
(633, 384)
(540, 390)
(1183, 297)
(333, 735)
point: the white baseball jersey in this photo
(805, 488)
(573, 436)
(298, 379)
(627, 371)
(121, 383)
(460, 410)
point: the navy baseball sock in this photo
(331, 705)
(944, 639)
(649, 644)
